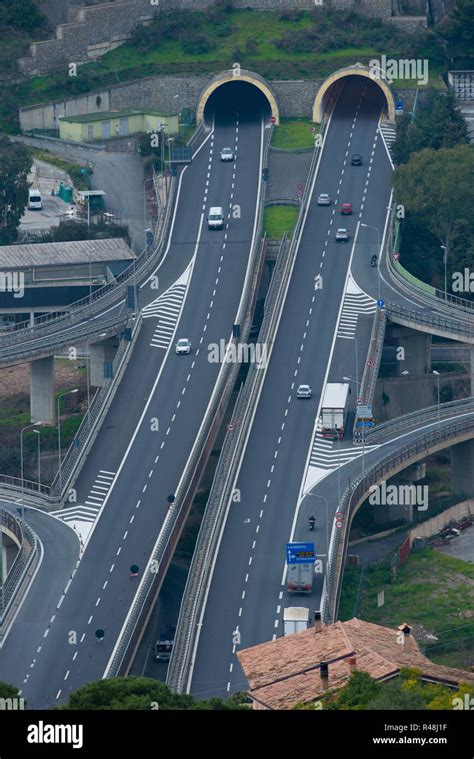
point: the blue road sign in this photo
(399, 105)
(381, 303)
(365, 424)
(299, 553)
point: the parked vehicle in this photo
(334, 409)
(295, 619)
(35, 201)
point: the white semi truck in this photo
(334, 409)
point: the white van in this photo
(215, 220)
(35, 202)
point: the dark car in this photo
(356, 159)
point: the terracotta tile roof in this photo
(286, 671)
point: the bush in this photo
(196, 43)
(251, 47)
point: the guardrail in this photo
(418, 418)
(22, 565)
(215, 515)
(430, 295)
(371, 369)
(282, 202)
(430, 320)
(354, 495)
(142, 606)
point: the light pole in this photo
(437, 377)
(445, 261)
(369, 226)
(61, 395)
(38, 433)
(28, 427)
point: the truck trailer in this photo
(295, 619)
(334, 409)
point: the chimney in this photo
(324, 670)
(405, 629)
(352, 664)
(317, 622)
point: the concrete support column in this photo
(462, 468)
(100, 354)
(472, 369)
(415, 347)
(32, 318)
(42, 404)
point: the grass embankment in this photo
(279, 219)
(294, 134)
(288, 45)
(432, 591)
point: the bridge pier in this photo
(415, 347)
(101, 354)
(462, 468)
(42, 390)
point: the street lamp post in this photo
(28, 427)
(369, 226)
(61, 395)
(38, 433)
(437, 377)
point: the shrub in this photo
(196, 43)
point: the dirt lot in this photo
(15, 380)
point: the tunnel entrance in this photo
(356, 78)
(246, 95)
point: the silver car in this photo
(324, 199)
(342, 234)
(227, 154)
(304, 391)
(183, 346)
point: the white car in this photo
(227, 154)
(304, 391)
(183, 346)
(324, 199)
(342, 234)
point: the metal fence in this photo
(354, 495)
(371, 369)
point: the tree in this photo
(361, 688)
(457, 30)
(437, 186)
(439, 124)
(15, 163)
(140, 693)
(394, 697)
(7, 690)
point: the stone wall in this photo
(100, 28)
(295, 98)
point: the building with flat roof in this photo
(105, 125)
(36, 278)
